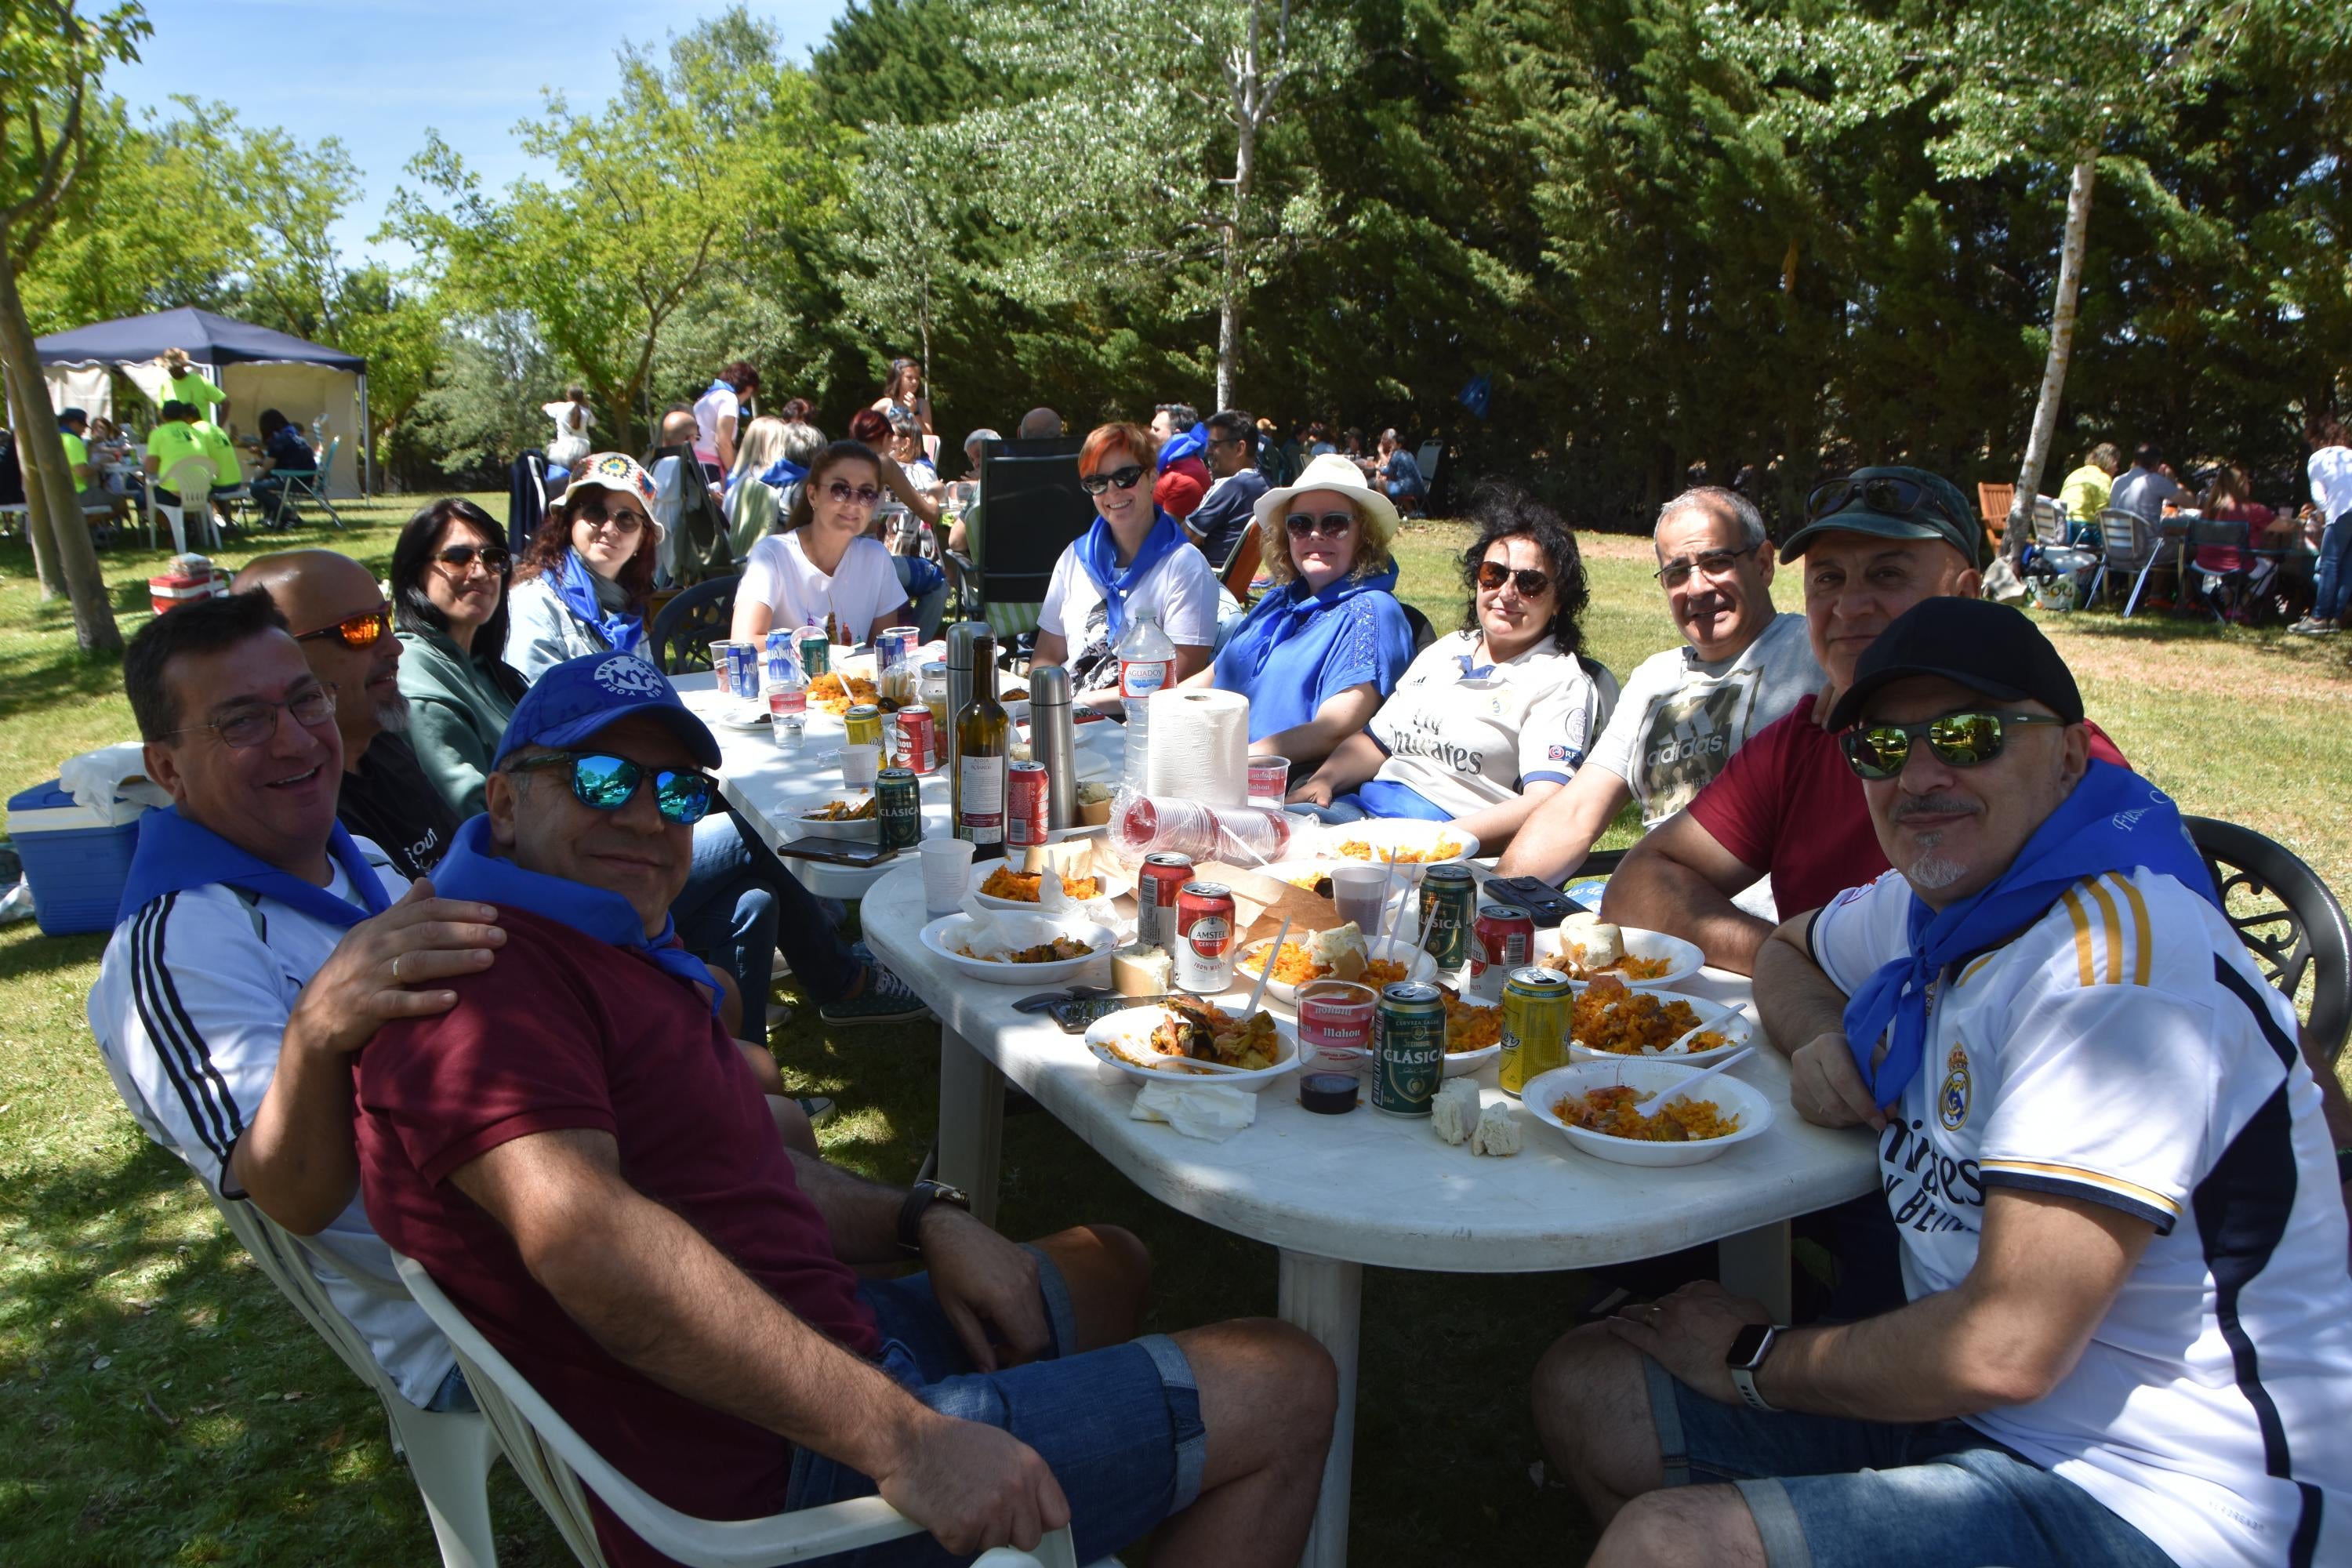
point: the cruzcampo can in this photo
(1537, 1005)
(1408, 1048)
(899, 806)
(1449, 904)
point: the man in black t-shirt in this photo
(1230, 506)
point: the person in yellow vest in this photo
(189, 385)
(179, 435)
(73, 429)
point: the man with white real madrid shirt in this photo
(2128, 1338)
(1684, 711)
(261, 944)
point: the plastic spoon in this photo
(1265, 969)
(1700, 1077)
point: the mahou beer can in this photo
(1536, 1018)
(1449, 902)
(1024, 804)
(1204, 940)
(862, 725)
(1156, 887)
(898, 804)
(1408, 1048)
(1503, 940)
(918, 741)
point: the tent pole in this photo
(367, 442)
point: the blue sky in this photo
(377, 73)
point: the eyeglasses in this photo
(844, 493)
(364, 630)
(622, 522)
(1887, 497)
(255, 723)
(1331, 525)
(1125, 479)
(1708, 564)
(1958, 740)
(608, 783)
(457, 557)
(1532, 585)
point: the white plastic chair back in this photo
(2125, 538)
(2049, 524)
(555, 1461)
(191, 479)
(449, 1453)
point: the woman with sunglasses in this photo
(1318, 654)
(823, 564)
(581, 585)
(1494, 719)
(449, 572)
(1134, 561)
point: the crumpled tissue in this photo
(1210, 1111)
(1054, 900)
(111, 781)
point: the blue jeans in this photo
(1121, 1427)
(928, 604)
(2335, 575)
(726, 916)
(1832, 1493)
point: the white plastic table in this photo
(1336, 1192)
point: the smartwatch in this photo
(1745, 1356)
(920, 1197)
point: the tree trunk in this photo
(93, 612)
(36, 515)
(1235, 279)
(2061, 341)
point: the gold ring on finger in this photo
(395, 969)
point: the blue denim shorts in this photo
(1121, 1427)
(1827, 1492)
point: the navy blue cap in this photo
(1985, 646)
(69, 416)
(579, 697)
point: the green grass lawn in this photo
(160, 1404)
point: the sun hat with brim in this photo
(1991, 649)
(1877, 510)
(581, 697)
(619, 472)
(1333, 472)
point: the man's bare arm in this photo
(1554, 840)
(1680, 880)
(1804, 1017)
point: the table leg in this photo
(971, 1122)
(1755, 1263)
(1326, 1298)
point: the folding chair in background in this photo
(191, 479)
(2128, 545)
(301, 487)
(1993, 503)
(1031, 506)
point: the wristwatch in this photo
(920, 1197)
(1747, 1354)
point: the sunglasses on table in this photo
(1125, 479)
(1331, 525)
(608, 783)
(620, 521)
(844, 493)
(254, 724)
(1886, 497)
(1531, 584)
(1958, 740)
(364, 630)
(460, 556)
(1708, 564)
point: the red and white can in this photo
(918, 740)
(1335, 1024)
(1501, 940)
(1024, 804)
(1156, 887)
(1204, 938)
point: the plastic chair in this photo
(312, 486)
(191, 479)
(2294, 926)
(2221, 586)
(686, 627)
(554, 1462)
(2128, 544)
(449, 1453)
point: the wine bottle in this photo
(984, 745)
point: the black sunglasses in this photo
(1958, 740)
(460, 556)
(1125, 479)
(1531, 584)
(1889, 496)
(681, 795)
(1331, 525)
(364, 630)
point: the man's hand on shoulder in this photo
(369, 980)
(986, 1285)
(972, 1486)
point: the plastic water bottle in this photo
(787, 691)
(1147, 663)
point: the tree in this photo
(50, 59)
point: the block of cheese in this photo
(1453, 1115)
(1140, 971)
(1497, 1131)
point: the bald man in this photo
(339, 618)
(1040, 424)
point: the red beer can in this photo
(1204, 938)
(1155, 888)
(918, 740)
(1501, 940)
(1024, 804)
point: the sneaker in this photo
(884, 999)
(818, 1107)
(2313, 627)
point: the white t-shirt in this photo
(1180, 593)
(573, 422)
(1682, 717)
(780, 575)
(2124, 1050)
(2331, 481)
(190, 1010)
(719, 403)
(1464, 735)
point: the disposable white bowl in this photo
(1419, 965)
(944, 935)
(1132, 1028)
(1729, 1022)
(1387, 835)
(1683, 958)
(868, 830)
(1462, 1064)
(981, 873)
(1646, 1073)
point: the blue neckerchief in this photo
(175, 854)
(470, 871)
(1098, 553)
(622, 631)
(1277, 618)
(782, 472)
(1184, 444)
(2115, 821)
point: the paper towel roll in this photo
(1200, 747)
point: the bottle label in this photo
(1141, 677)
(980, 799)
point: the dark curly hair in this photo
(543, 556)
(1505, 512)
(412, 557)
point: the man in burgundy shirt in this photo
(576, 1155)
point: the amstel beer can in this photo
(1408, 1047)
(1537, 1008)
(1204, 942)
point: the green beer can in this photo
(1408, 1048)
(1449, 903)
(898, 807)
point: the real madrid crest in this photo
(1952, 1102)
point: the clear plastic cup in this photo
(1356, 892)
(860, 764)
(947, 869)
(1269, 780)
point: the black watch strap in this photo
(919, 1198)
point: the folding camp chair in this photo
(1030, 508)
(299, 486)
(191, 479)
(2223, 588)
(2128, 545)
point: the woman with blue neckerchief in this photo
(1317, 655)
(581, 585)
(1135, 561)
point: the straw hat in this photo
(1333, 472)
(618, 472)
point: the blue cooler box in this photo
(75, 863)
